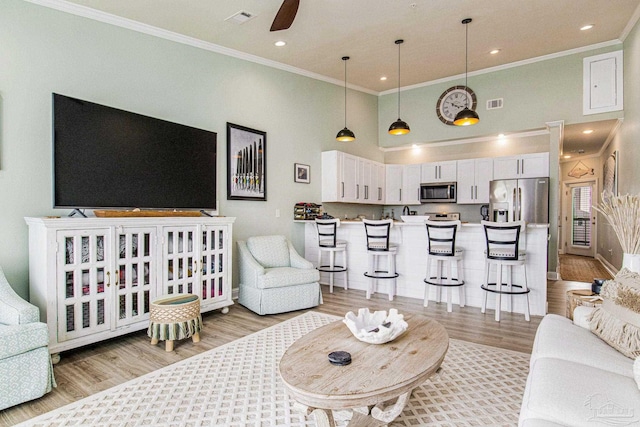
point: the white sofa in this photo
(576, 379)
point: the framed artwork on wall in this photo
(301, 173)
(246, 163)
(610, 174)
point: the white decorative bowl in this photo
(376, 327)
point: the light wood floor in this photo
(88, 370)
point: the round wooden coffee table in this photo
(379, 376)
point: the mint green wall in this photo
(627, 143)
(45, 51)
(533, 94)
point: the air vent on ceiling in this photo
(493, 104)
(240, 17)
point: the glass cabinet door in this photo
(83, 282)
(213, 262)
(179, 260)
(134, 273)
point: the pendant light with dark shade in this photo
(399, 127)
(466, 116)
(345, 135)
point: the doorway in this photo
(579, 220)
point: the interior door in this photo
(579, 219)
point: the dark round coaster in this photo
(339, 358)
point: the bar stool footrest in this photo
(451, 282)
(500, 291)
(328, 269)
(375, 276)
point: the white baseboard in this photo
(610, 268)
(553, 275)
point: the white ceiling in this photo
(326, 30)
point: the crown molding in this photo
(507, 66)
(515, 135)
(130, 24)
(632, 22)
(107, 18)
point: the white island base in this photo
(411, 263)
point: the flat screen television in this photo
(107, 158)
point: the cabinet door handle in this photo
(472, 191)
(518, 167)
(108, 279)
(522, 167)
(476, 192)
(357, 191)
(342, 183)
(401, 194)
(379, 193)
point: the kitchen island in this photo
(411, 262)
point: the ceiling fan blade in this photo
(285, 16)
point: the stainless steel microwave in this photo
(441, 192)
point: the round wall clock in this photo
(452, 101)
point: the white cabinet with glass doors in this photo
(94, 278)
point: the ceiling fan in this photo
(285, 16)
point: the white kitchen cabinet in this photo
(377, 183)
(438, 172)
(393, 180)
(522, 166)
(351, 179)
(473, 178)
(411, 175)
(94, 278)
(403, 184)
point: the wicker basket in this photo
(175, 317)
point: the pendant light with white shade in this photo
(399, 127)
(466, 116)
(345, 135)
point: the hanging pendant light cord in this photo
(399, 43)
(466, 58)
(345, 90)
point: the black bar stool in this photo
(378, 246)
(330, 244)
(442, 251)
(503, 251)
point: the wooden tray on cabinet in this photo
(140, 213)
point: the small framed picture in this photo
(301, 173)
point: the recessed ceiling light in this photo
(280, 43)
(587, 131)
(494, 51)
(586, 27)
(383, 78)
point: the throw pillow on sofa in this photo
(617, 320)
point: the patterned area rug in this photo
(237, 384)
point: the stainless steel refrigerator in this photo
(519, 199)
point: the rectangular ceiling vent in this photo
(240, 17)
(494, 104)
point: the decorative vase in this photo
(631, 262)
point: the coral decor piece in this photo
(376, 327)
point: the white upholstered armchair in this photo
(274, 278)
(26, 371)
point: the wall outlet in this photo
(277, 213)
